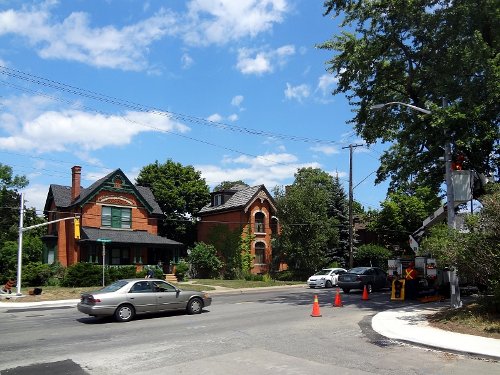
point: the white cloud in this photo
(258, 62)
(186, 61)
(222, 21)
(233, 117)
(237, 100)
(41, 128)
(75, 39)
(326, 83)
(268, 169)
(327, 150)
(215, 117)
(298, 93)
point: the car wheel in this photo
(346, 290)
(194, 306)
(328, 284)
(124, 313)
(369, 288)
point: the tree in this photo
(181, 193)
(401, 214)
(476, 252)
(340, 210)
(309, 222)
(372, 255)
(225, 185)
(420, 52)
(9, 203)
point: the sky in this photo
(236, 89)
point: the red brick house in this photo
(113, 211)
(242, 208)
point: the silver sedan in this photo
(123, 299)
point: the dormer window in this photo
(218, 200)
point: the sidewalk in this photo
(409, 324)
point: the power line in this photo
(14, 73)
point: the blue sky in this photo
(236, 89)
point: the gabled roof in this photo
(62, 194)
(241, 200)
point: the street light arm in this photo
(379, 106)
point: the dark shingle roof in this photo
(62, 194)
(125, 236)
(239, 200)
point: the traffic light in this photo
(77, 228)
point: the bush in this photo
(252, 277)
(204, 259)
(83, 274)
(122, 272)
(181, 269)
(36, 274)
(287, 275)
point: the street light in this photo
(380, 106)
(450, 200)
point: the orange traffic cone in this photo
(338, 300)
(365, 294)
(315, 312)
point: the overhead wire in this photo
(27, 77)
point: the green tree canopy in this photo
(225, 185)
(181, 192)
(309, 220)
(419, 53)
(401, 214)
(476, 252)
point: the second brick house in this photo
(246, 210)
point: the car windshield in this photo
(323, 272)
(114, 286)
(357, 270)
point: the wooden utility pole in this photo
(351, 259)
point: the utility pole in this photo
(351, 259)
(450, 195)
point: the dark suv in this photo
(356, 278)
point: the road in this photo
(263, 332)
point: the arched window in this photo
(259, 223)
(260, 253)
(274, 225)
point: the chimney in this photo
(76, 174)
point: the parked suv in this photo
(356, 278)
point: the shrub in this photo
(287, 275)
(204, 259)
(83, 274)
(181, 269)
(122, 272)
(252, 277)
(36, 274)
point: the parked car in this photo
(326, 278)
(123, 299)
(356, 278)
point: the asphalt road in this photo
(269, 332)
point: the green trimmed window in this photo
(116, 217)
